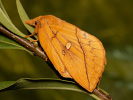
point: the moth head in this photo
(49, 19)
(33, 22)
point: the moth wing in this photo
(74, 52)
(85, 57)
(50, 50)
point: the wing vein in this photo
(84, 57)
(54, 47)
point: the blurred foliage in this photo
(111, 21)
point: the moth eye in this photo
(35, 22)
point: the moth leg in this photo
(30, 35)
(35, 32)
(34, 40)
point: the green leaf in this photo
(9, 25)
(7, 46)
(6, 84)
(23, 16)
(27, 83)
(6, 43)
(3, 9)
(41, 83)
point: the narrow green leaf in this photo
(6, 84)
(6, 43)
(23, 16)
(43, 83)
(8, 24)
(2, 7)
(28, 83)
(6, 21)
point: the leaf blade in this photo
(5, 84)
(8, 24)
(2, 7)
(6, 43)
(42, 83)
(27, 83)
(23, 16)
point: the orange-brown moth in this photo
(74, 53)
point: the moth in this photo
(74, 53)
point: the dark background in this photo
(109, 20)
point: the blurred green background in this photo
(109, 20)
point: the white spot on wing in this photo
(68, 45)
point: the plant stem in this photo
(100, 94)
(35, 49)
